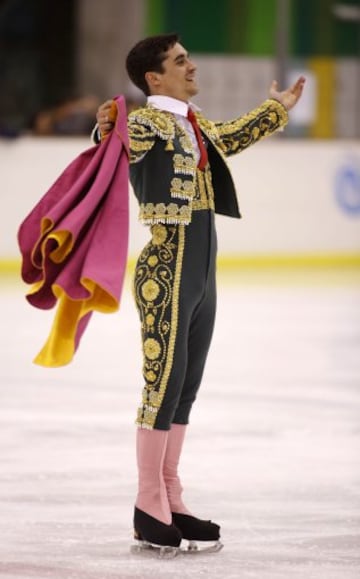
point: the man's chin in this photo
(193, 90)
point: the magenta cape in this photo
(74, 242)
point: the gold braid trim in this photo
(204, 198)
(150, 213)
(182, 188)
(184, 164)
(174, 313)
(209, 127)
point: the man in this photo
(180, 179)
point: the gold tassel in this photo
(169, 146)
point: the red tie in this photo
(203, 152)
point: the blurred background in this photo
(58, 61)
(53, 53)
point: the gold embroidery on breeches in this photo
(156, 289)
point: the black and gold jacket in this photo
(163, 169)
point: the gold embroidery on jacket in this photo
(160, 122)
(204, 198)
(141, 146)
(186, 144)
(171, 213)
(208, 127)
(184, 164)
(261, 122)
(182, 189)
(141, 140)
(156, 289)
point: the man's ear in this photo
(152, 79)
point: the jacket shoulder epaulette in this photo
(161, 123)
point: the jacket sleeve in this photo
(240, 133)
(95, 135)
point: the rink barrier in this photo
(301, 208)
(235, 262)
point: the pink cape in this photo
(74, 242)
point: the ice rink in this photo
(273, 451)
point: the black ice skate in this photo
(197, 530)
(153, 535)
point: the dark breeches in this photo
(175, 293)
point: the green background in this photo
(249, 26)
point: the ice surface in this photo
(272, 453)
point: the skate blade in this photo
(193, 548)
(162, 552)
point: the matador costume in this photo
(174, 281)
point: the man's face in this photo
(178, 77)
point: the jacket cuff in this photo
(95, 135)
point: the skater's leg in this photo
(165, 316)
(200, 335)
(191, 527)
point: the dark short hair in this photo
(148, 55)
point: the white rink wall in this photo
(297, 197)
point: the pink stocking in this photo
(152, 497)
(171, 462)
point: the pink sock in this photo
(171, 462)
(152, 496)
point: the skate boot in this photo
(197, 531)
(194, 529)
(152, 534)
